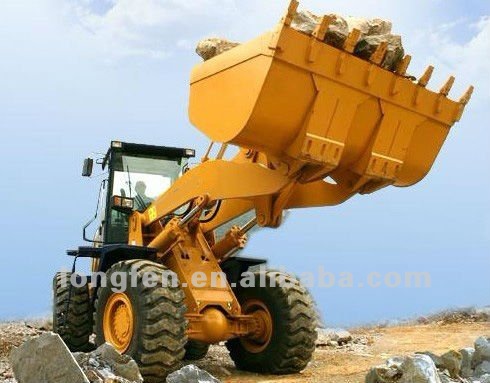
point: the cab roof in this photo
(147, 150)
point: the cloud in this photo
(152, 28)
(157, 29)
(468, 60)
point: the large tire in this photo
(291, 342)
(72, 313)
(195, 350)
(158, 325)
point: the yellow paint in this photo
(118, 321)
(302, 112)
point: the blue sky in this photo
(76, 74)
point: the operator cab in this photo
(137, 175)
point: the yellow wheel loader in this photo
(314, 126)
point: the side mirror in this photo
(88, 165)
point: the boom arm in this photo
(244, 184)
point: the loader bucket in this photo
(292, 96)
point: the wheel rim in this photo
(261, 337)
(118, 321)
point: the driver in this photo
(141, 199)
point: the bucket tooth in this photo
(322, 28)
(465, 99)
(424, 80)
(446, 88)
(292, 10)
(352, 40)
(443, 93)
(403, 65)
(318, 37)
(379, 54)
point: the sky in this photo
(76, 74)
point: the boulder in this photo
(369, 27)
(341, 336)
(419, 369)
(332, 337)
(212, 47)
(337, 32)
(305, 21)
(410, 369)
(394, 52)
(482, 350)
(46, 359)
(390, 372)
(191, 374)
(122, 365)
(484, 378)
(435, 358)
(339, 29)
(106, 363)
(451, 361)
(466, 362)
(445, 378)
(482, 369)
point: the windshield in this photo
(144, 179)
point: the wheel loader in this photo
(312, 125)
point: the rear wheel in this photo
(195, 350)
(146, 323)
(286, 333)
(72, 313)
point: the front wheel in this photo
(285, 340)
(146, 323)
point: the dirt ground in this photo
(331, 365)
(346, 364)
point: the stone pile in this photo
(341, 340)
(462, 315)
(373, 32)
(333, 337)
(468, 365)
(46, 358)
(106, 365)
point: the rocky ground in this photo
(13, 334)
(341, 357)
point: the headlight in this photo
(190, 152)
(122, 203)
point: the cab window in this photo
(142, 178)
